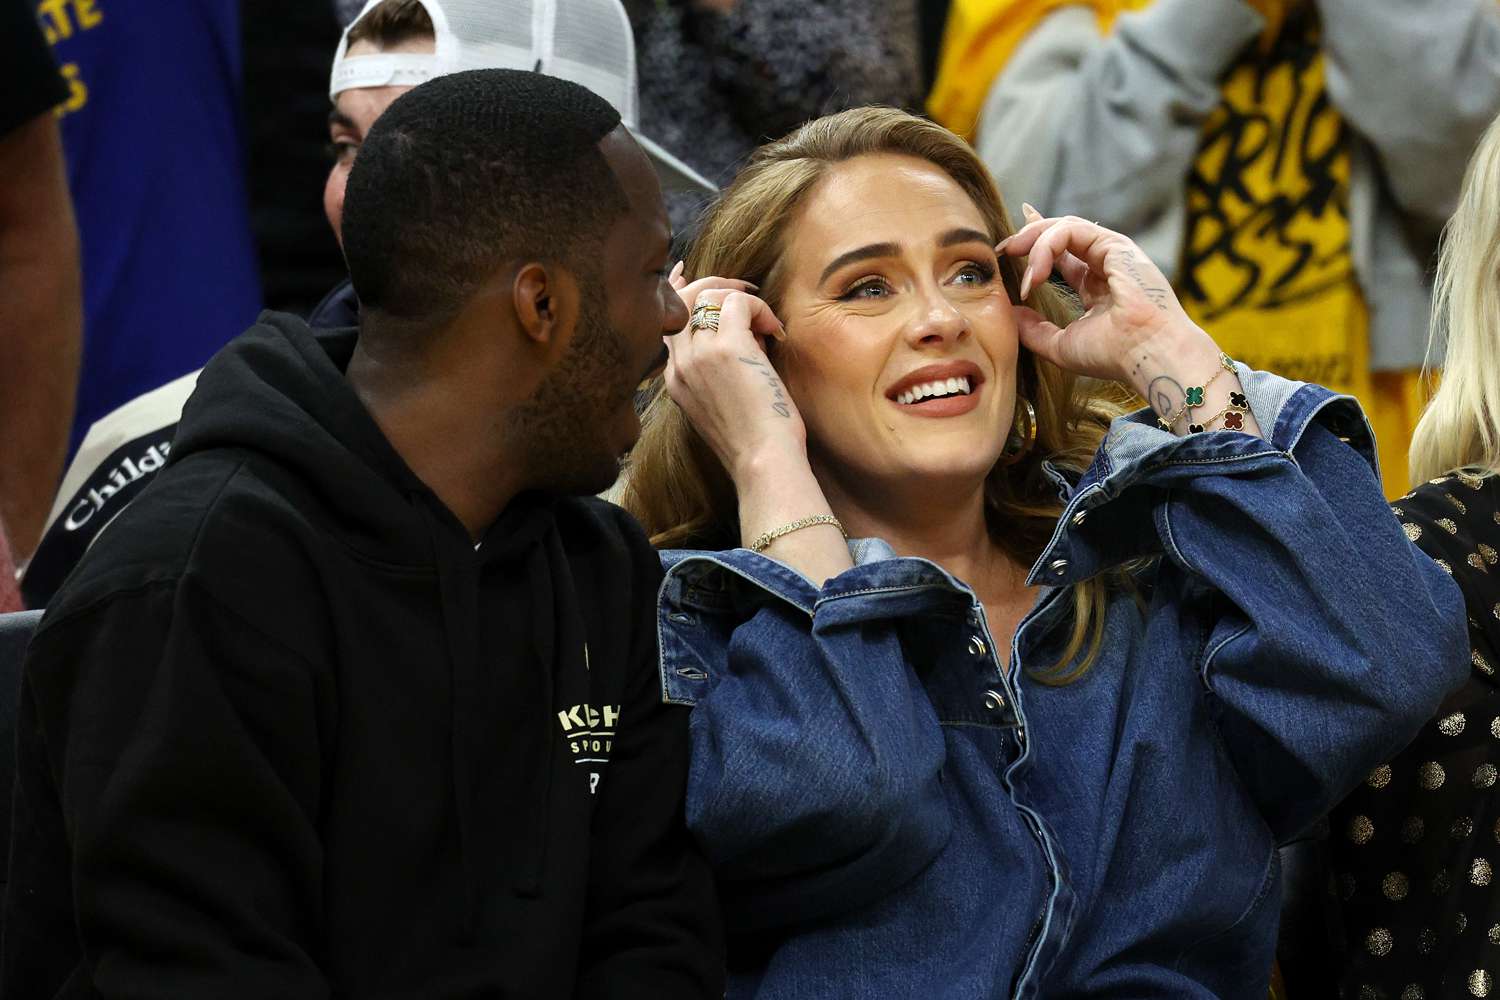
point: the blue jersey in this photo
(156, 162)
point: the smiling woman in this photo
(682, 492)
(952, 757)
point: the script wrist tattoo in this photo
(778, 398)
(1166, 396)
(1155, 293)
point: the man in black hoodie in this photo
(359, 697)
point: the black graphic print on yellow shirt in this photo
(1267, 267)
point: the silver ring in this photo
(704, 317)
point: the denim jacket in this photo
(892, 814)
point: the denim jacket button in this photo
(994, 701)
(1058, 567)
(1079, 518)
(976, 646)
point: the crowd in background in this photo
(1290, 164)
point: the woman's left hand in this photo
(1133, 330)
(1130, 304)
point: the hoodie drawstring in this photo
(554, 615)
(551, 587)
(458, 590)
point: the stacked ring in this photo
(705, 317)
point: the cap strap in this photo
(382, 70)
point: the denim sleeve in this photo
(813, 784)
(1330, 637)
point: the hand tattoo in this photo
(778, 403)
(1155, 293)
(1166, 396)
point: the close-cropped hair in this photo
(682, 495)
(1458, 430)
(391, 23)
(467, 172)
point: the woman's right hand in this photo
(727, 387)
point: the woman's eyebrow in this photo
(953, 237)
(860, 253)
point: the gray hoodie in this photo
(1107, 127)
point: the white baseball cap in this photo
(586, 41)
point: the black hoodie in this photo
(286, 732)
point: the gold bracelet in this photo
(764, 541)
(1233, 414)
(1193, 395)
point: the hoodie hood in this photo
(279, 389)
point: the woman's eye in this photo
(871, 288)
(974, 274)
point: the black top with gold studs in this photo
(1414, 849)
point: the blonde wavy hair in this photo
(1458, 430)
(675, 485)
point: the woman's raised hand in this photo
(1133, 330)
(1130, 304)
(724, 382)
(718, 372)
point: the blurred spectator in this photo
(720, 77)
(155, 153)
(1294, 158)
(40, 307)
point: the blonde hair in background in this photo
(675, 485)
(1459, 430)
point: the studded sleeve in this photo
(1414, 848)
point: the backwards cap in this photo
(586, 41)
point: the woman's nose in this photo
(936, 321)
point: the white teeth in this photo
(937, 387)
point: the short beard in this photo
(560, 429)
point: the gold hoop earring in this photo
(1022, 433)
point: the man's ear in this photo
(546, 303)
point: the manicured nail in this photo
(1029, 212)
(676, 270)
(1000, 247)
(751, 285)
(1026, 284)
